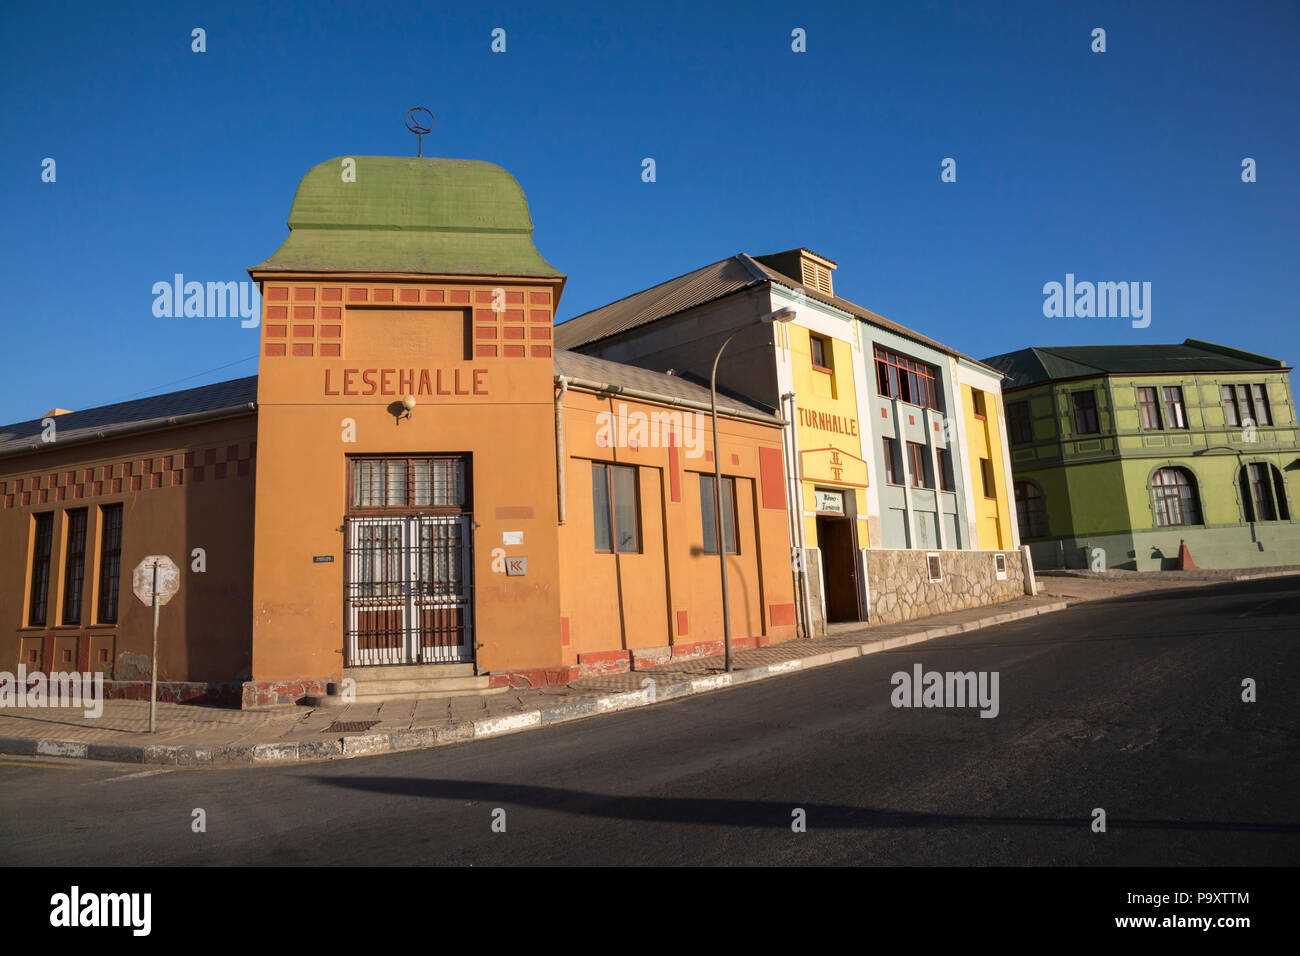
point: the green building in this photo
(1121, 453)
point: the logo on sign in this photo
(516, 566)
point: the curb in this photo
(424, 738)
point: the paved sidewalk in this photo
(195, 735)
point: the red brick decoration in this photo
(164, 471)
(489, 322)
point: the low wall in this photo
(900, 589)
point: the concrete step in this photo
(419, 685)
(408, 671)
(428, 695)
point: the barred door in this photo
(408, 590)
(442, 596)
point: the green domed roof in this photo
(403, 214)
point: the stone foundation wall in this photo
(900, 589)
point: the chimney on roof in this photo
(810, 270)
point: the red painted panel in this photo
(771, 472)
(564, 631)
(780, 614)
(682, 629)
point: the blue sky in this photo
(1115, 166)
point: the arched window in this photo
(1263, 496)
(1174, 491)
(1030, 515)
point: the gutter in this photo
(123, 431)
(561, 473)
(763, 418)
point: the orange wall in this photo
(316, 328)
(634, 601)
(181, 489)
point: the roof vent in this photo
(812, 271)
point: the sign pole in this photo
(153, 676)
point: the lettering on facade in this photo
(827, 422)
(406, 381)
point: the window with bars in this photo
(41, 547)
(1174, 494)
(1174, 414)
(1020, 428)
(110, 563)
(1149, 410)
(74, 566)
(906, 379)
(1263, 495)
(1031, 516)
(709, 515)
(614, 509)
(1084, 405)
(406, 484)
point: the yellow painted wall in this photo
(984, 440)
(827, 421)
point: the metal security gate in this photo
(408, 590)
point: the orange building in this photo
(422, 495)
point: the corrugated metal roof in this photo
(708, 284)
(157, 411)
(715, 281)
(670, 387)
(1042, 364)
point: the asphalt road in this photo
(1133, 706)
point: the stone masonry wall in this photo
(900, 589)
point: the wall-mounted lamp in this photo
(403, 408)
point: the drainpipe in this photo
(802, 594)
(560, 470)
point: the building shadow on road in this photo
(750, 813)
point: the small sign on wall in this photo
(322, 558)
(512, 537)
(830, 502)
(516, 566)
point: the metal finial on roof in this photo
(418, 127)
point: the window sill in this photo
(823, 368)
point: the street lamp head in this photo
(780, 315)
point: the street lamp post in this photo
(780, 315)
